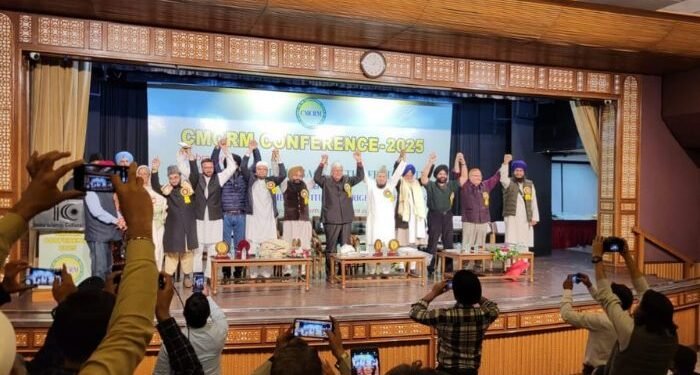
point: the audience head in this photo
(145, 173)
(123, 158)
(196, 310)
(441, 173)
(174, 175)
(81, 321)
(95, 157)
(296, 358)
(685, 361)
(466, 287)
(261, 169)
(624, 294)
(519, 169)
(475, 176)
(296, 174)
(409, 172)
(416, 368)
(655, 312)
(381, 176)
(337, 171)
(207, 167)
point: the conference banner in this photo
(301, 126)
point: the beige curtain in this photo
(586, 119)
(60, 93)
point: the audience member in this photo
(460, 328)
(206, 337)
(182, 359)
(647, 340)
(685, 361)
(601, 333)
(294, 356)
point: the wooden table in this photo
(344, 261)
(458, 259)
(298, 280)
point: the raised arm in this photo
(194, 172)
(425, 174)
(244, 167)
(492, 181)
(40, 195)
(359, 172)
(505, 181)
(398, 171)
(461, 168)
(230, 169)
(282, 173)
(215, 157)
(319, 178)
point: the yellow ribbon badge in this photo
(305, 195)
(389, 195)
(485, 195)
(186, 192)
(452, 198)
(527, 193)
(348, 190)
(272, 187)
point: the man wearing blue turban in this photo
(123, 158)
(519, 204)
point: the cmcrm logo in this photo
(311, 112)
(74, 265)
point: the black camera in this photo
(576, 278)
(613, 245)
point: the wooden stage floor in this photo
(262, 305)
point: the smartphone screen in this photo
(41, 276)
(93, 177)
(365, 361)
(312, 328)
(197, 282)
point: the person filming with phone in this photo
(646, 340)
(460, 328)
(601, 333)
(294, 356)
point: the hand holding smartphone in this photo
(95, 177)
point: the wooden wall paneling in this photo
(687, 322)
(550, 353)
(671, 271)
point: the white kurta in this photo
(160, 212)
(518, 229)
(380, 208)
(261, 226)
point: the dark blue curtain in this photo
(118, 119)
